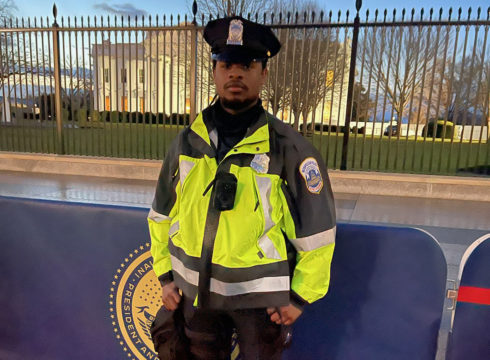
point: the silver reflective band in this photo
(265, 184)
(174, 228)
(185, 167)
(268, 248)
(191, 276)
(315, 241)
(156, 217)
(213, 136)
(266, 284)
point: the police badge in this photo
(260, 163)
(310, 171)
(235, 33)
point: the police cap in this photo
(237, 40)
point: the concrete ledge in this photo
(353, 182)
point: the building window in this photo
(141, 76)
(106, 75)
(142, 104)
(124, 103)
(123, 76)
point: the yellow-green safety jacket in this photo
(238, 258)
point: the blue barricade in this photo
(385, 300)
(470, 335)
(77, 283)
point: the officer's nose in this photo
(235, 71)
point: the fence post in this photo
(57, 83)
(350, 90)
(193, 85)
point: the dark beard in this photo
(237, 105)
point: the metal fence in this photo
(397, 92)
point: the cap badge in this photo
(235, 33)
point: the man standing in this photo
(243, 220)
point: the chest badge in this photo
(310, 171)
(260, 163)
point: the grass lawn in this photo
(140, 141)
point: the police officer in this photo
(239, 193)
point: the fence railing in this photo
(398, 92)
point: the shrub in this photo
(441, 131)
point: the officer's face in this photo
(238, 85)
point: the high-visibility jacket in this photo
(238, 258)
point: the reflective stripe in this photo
(267, 284)
(268, 248)
(191, 276)
(157, 217)
(174, 228)
(264, 184)
(315, 241)
(213, 136)
(185, 167)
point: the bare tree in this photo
(400, 64)
(309, 71)
(233, 7)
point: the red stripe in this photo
(474, 295)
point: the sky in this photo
(32, 8)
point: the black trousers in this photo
(207, 334)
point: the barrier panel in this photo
(470, 334)
(385, 300)
(77, 283)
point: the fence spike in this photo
(272, 18)
(330, 16)
(194, 12)
(321, 16)
(62, 21)
(81, 21)
(108, 21)
(469, 13)
(478, 13)
(488, 13)
(75, 21)
(257, 16)
(289, 16)
(376, 15)
(265, 18)
(88, 21)
(280, 17)
(358, 5)
(339, 14)
(178, 19)
(440, 13)
(450, 13)
(413, 13)
(68, 21)
(367, 14)
(394, 15)
(347, 16)
(22, 21)
(431, 12)
(171, 19)
(403, 14)
(28, 22)
(385, 14)
(459, 13)
(95, 20)
(296, 17)
(41, 20)
(55, 12)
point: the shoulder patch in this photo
(310, 171)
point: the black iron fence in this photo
(399, 91)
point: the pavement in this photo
(454, 223)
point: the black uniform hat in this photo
(235, 39)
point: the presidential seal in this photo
(134, 300)
(310, 171)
